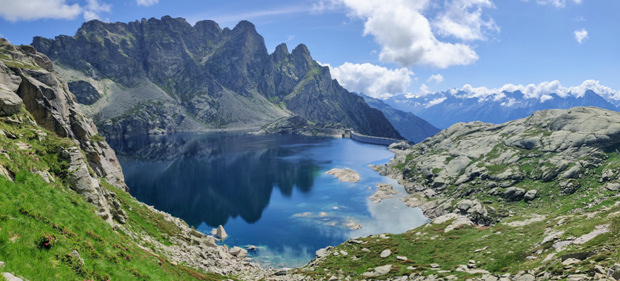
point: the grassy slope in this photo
(510, 249)
(31, 209)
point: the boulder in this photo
(322, 252)
(403, 145)
(530, 195)
(379, 271)
(614, 271)
(572, 173)
(282, 271)
(10, 103)
(513, 194)
(238, 252)
(221, 233)
(612, 186)
(385, 253)
(10, 277)
(465, 205)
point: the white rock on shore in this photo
(347, 174)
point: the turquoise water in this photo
(268, 191)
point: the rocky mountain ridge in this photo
(165, 75)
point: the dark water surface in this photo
(267, 191)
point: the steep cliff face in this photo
(200, 77)
(27, 77)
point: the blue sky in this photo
(384, 48)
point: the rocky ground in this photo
(532, 199)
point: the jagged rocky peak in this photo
(222, 78)
(301, 56)
(208, 28)
(280, 53)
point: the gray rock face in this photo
(513, 194)
(30, 77)
(84, 92)
(530, 195)
(10, 103)
(48, 99)
(224, 78)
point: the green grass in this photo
(33, 213)
(507, 252)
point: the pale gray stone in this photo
(385, 253)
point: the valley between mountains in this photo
(531, 199)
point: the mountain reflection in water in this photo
(210, 178)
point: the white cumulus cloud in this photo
(38, 9)
(464, 20)
(50, 9)
(580, 35)
(407, 36)
(92, 10)
(437, 78)
(557, 3)
(372, 80)
(146, 3)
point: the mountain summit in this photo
(165, 75)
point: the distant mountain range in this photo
(447, 108)
(164, 75)
(413, 128)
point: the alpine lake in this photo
(268, 191)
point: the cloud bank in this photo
(541, 91)
(557, 3)
(50, 9)
(372, 80)
(146, 3)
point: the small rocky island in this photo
(346, 175)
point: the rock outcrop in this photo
(27, 78)
(164, 75)
(467, 159)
